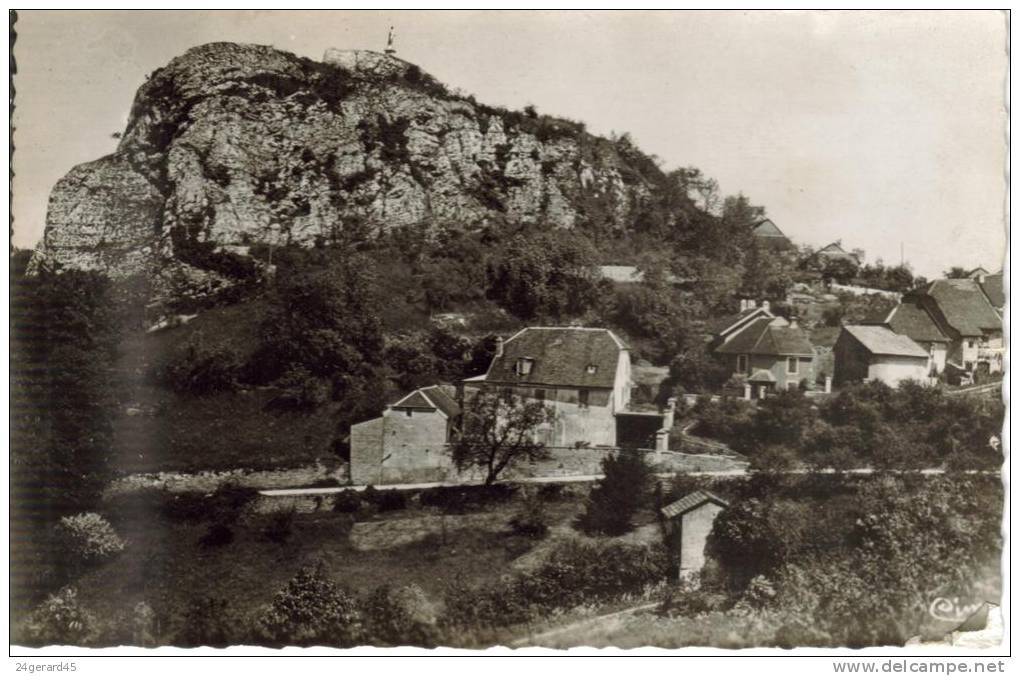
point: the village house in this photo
(718, 330)
(688, 523)
(964, 314)
(769, 353)
(768, 234)
(583, 374)
(835, 251)
(867, 352)
(910, 319)
(408, 442)
(992, 285)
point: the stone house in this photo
(866, 352)
(767, 352)
(583, 374)
(689, 521)
(408, 442)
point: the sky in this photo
(880, 129)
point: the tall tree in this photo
(498, 432)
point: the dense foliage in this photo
(623, 490)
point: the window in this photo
(408, 412)
(582, 398)
(540, 395)
(791, 365)
(592, 369)
(742, 363)
(524, 366)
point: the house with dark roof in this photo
(720, 328)
(768, 234)
(583, 374)
(992, 285)
(768, 352)
(909, 318)
(407, 443)
(871, 352)
(963, 312)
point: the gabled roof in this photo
(911, 320)
(429, 399)
(762, 376)
(964, 305)
(561, 357)
(835, 250)
(766, 336)
(881, 340)
(721, 325)
(766, 228)
(692, 501)
(994, 289)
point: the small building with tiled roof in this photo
(688, 522)
(720, 328)
(910, 319)
(583, 374)
(771, 345)
(407, 443)
(871, 352)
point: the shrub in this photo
(199, 369)
(617, 497)
(61, 619)
(280, 526)
(300, 391)
(399, 616)
(385, 501)
(530, 520)
(347, 502)
(90, 538)
(229, 500)
(458, 499)
(311, 610)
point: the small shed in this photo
(688, 522)
(876, 353)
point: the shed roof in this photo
(561, 357)
(768, 337)
(689, 502)
(882, 340)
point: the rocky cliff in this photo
(231, 145)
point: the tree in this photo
(956, 272)
(840, 270)
(90, 538)
(546, 273)
(498, 432)
(619, 495)
(311, 610)
(696, 370)
(325, 321)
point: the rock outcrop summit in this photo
(231, 145)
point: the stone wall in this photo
(207, 482)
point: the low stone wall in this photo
(207, 482)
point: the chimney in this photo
(765, 305)
(743, 304)
(499, 346)
(752, 304)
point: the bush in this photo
(199, 369)
(280, 526)
(458, 499)
(90, 538)
(574, 574)
(619, 495)
(311, 610)
(61, 619)
(399, 616)
(385, 501)
(531, 519)
(300, 391)
(347, 502)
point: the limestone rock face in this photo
(233, 145)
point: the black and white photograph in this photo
(531, 332)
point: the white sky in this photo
(877, 128)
